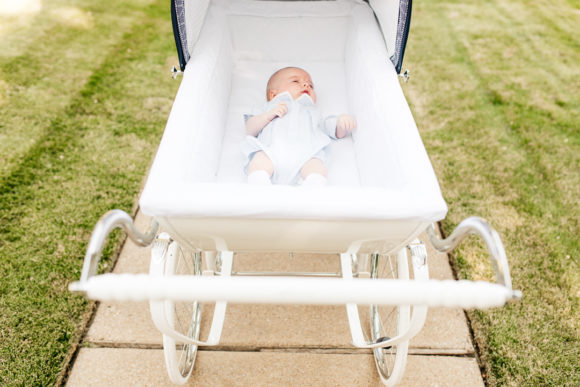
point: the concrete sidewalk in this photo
(270, 344)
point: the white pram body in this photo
(381, 194)
(381, 183)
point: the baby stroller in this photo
(381, 194)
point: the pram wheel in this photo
(390, 320)
(182, 318)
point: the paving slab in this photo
(145, 367)
(257, 326)
(123, 323)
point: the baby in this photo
(286, 140)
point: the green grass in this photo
(495, 90)
(496, 93)
(83, 109)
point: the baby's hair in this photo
(273, 79)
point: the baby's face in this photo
(293, 80)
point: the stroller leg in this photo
(358, 339)
(180, 321)
(219, 313)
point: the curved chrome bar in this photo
(108, 222)
(479, 227)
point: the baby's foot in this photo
(314, 180)
(259, 178)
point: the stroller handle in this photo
(481, 228)
(109, 221)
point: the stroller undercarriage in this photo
(181, 284)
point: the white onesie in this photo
(290, 141)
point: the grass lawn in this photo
(84, 96)
(85, 93)
(496, 94)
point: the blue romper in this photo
(290, 141)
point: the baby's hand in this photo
(255, 124)
(280, 110)
(345, 124)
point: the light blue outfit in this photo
(290, 141)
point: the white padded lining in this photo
(387, 12)
(189, 149)
(382, 172)
(195, 12)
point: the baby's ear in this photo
(271, 94)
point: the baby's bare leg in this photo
(261, 162)
(260, 169)
(313, 165)
(313, 173)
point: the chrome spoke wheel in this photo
(388, 321)
(184, 317)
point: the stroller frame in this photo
(217, 283)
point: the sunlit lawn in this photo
(496, 94)
(84, 94)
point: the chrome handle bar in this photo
(479, 227)
(108, 222)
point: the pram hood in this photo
(393, 16)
